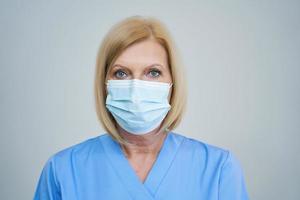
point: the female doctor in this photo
(140, 98)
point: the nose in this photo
(135, 97)
(137, 75)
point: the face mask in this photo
(138, 106)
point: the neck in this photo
(147, 144)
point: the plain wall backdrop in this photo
(242, 61)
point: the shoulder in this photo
(217, 164)
(205, 151)
(78, 151)
(210, 156)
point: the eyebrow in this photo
(155, 64)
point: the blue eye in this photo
(120, 74)
(154, 73)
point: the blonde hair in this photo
(120, 36)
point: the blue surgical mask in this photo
(138, 106)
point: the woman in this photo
(140, 99)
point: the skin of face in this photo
(146, 60)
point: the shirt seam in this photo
(53, 166)
(221, 171)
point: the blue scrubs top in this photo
(185, 168)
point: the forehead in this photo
(145, 52)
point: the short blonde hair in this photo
(131, 30)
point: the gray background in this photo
(242, 60)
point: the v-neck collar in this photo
(126, 173)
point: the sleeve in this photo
(47, 187)
(232, 185)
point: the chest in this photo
(174, 178)
(175, 174)
(142, 165)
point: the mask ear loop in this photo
(167, 128)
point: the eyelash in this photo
(116, 72)
(155, 70)
(151, 70)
